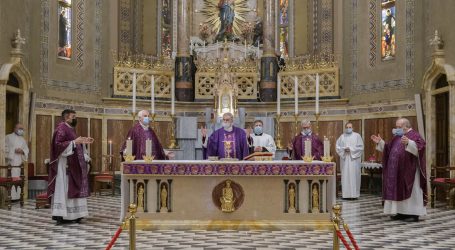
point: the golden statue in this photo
(291, 197)
(163, 196)
(227, 199)
(140, 197)
(315, 199)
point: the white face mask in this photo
(20, 132)
(227, 125)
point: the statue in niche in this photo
(257, 37)
(315, 192)
(163, 196)
(140, 197)
(291, 197)
(226, 16)
(227, 199)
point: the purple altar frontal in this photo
(229, 168)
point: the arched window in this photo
(65, 13)
(388, 26)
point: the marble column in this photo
(269, 65)
(2, 121)
(184, 87)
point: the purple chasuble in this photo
(139, 135)
(77, 170)
(399, 168)
(236, 138)
(298, 146)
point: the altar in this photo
(229, 194)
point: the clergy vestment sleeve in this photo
(340, 147)
(357, 149)
(412, 148)
(380, 146)
(68, 150)
(271, 146)
(204, 141)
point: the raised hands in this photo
(84, 140)
(376, 138)
(203, 131)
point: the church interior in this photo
(200, 77)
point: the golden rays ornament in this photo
(212, 11)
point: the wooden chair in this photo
(8, 182)
(447, 183)
(105, 177)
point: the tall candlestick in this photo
(148, 147)
(245, 49)
(129, 146)
(110, 151)
(134, 92)
(317, 94)
(172, 95)
(152, 90)
(296, 96)
(326, 147)
(307, 147)
(278, 96)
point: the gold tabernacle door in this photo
(229, 194)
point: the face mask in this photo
(349, 131)
(73, 123)
(146, 121)
(20, 132)
(307, 131)
(398, 131)
(257, 130)
(226, 125)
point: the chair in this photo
(8, 182)
(105, 177)
(447, 183)
(42, 201)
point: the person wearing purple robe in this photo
(226, 142)
(404, 179)
(68, 186)
(139, 133)
(297, 146)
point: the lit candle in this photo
(152, 90)
(172, 95)
(326, 147)
(134, 92)
(278, 96)
(296, 96)
(148, 147)
(307, 147)
(129, 146)
(110, 151)
(317, 94)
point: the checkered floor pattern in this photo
(28, 228)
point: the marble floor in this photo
(28, 228)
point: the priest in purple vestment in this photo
(226, 142)
(140, 132)
(404, 179)
(297, 146)
(68, 172)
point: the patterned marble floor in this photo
(28, 228)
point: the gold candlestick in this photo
(278, 132)
(172, 141)
(296, 123)
(153, 116)
(134, 116)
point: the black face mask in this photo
(73, 123)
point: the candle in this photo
(134, 92)
(308, 147)
(278, 96)
(129, 146)
(148, 147)
(110, 151)
(326, 147)
(152, 90)
(172, 95)
(296, 96)
(317, 94)
(245, 49)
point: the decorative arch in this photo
(438, 68)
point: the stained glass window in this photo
(166, 27)
(65, 14)
(388, 37)
(284, 27)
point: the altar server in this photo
(258, 141)
(16, 151)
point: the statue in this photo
(291, 197)
(140, 197)
(315, 192)
(226, 16)
(227, 199)
(163, 196)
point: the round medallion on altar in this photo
(228, 196)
